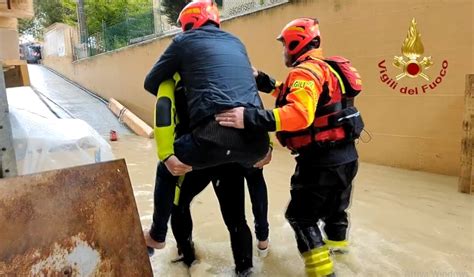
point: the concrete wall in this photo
(421, 132)
(9, 39)
(59, 41)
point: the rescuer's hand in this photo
(265, 160)
(176, 167)
(232, 118)
(255, 71)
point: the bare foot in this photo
(262, 245)
(151, 242)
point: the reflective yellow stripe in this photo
(315, 251)
(325, 269)
(317, 257)
(317, 262)
(277, 120)
(165, 135)
(308, 101)
(333, 243)
(311, 272)
(339, 247)
(321, 264)
(177, 77)
(343, 88)
(177, 191)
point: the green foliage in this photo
(97, 13)
(51, 11)
(136, 26)
(172, 8)
(48, 12)
(30, 27)
(113, 12)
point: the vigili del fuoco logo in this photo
(413, 65)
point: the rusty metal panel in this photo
(79, 221)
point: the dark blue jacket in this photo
(215, 71)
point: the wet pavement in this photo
(404, 223)
(70, 101)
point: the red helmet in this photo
(197, 13)
(298, 33)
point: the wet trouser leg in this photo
(259, 197)
(165, 184)
(308, 236)
(181, 220)
(230, 191)
(336, 221)
(320, 193)
(314, 191)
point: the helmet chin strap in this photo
(295, 57)
(315, 44)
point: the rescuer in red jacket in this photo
(315, 118)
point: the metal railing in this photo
(155, 23)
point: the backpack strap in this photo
(341, 83)
(301, 66)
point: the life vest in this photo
(336, 119)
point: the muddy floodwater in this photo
(404, 223)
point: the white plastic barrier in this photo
(43, 143)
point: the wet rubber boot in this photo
(318, 263)
(337, 247)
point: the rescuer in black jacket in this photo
(216, 74)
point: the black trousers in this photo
(320, 193)
(259, 197)
(228, 183)
(165, 186)
(210, 145)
